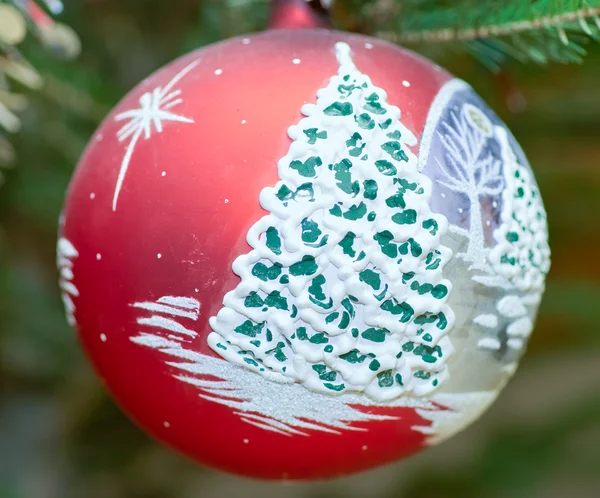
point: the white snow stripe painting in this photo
(286, 408)
(65, 256)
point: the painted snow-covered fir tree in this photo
(522, 254)
(481, 164)
(520, 259)
(343, 290)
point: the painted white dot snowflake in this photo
(154, 109)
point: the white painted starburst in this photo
(155, 107)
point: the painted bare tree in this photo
(471, 168)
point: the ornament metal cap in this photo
(297, 14)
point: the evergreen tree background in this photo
(60, 434)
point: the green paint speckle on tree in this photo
(316, 288)
(406, 217)
(395, 135)
(328, 348)
(374, 106)
(386, 124)
(319, 338)
(307, 266)
(339, 109)
(394, 149)
(371, 216)
(346, 90)
(374, 365)
(415, 247)
(301, 333)
(336, 211)
(356, 212)
(396, 200)
(371, 278)
(276, 300)
(249, 328)
(338, 388)
(508, 260)
(344, 178)
(384, 239)
(421, 374)
(273, 240)
(370, 189)
(395, 308)
(431, 264)
(406, 277)
(313, 134)
(221, 346)
(365, 121)
(355, 144)
(353, 356)
(277, 352)
(382, 294)
(331, 317)
(310, 231)
(252, 362)
(321, 370)
(266, 273)
(432, 318)
(385, 379)
(421, 288)
(253, 300)
(345, 321)
(386, 168)
(512, 236)
(285, 194)
(308, 167)
(324, 305)
(375, 335)
(431, 225)
(346, 244)
(428, 353)
(284, 280)
(439, 291)
(406, 185)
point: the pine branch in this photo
(492, 30)
(484, 31)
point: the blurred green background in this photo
(62, 437)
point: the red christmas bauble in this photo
(267, 251)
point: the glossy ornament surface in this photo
(302, 254)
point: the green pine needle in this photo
(541, 31)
